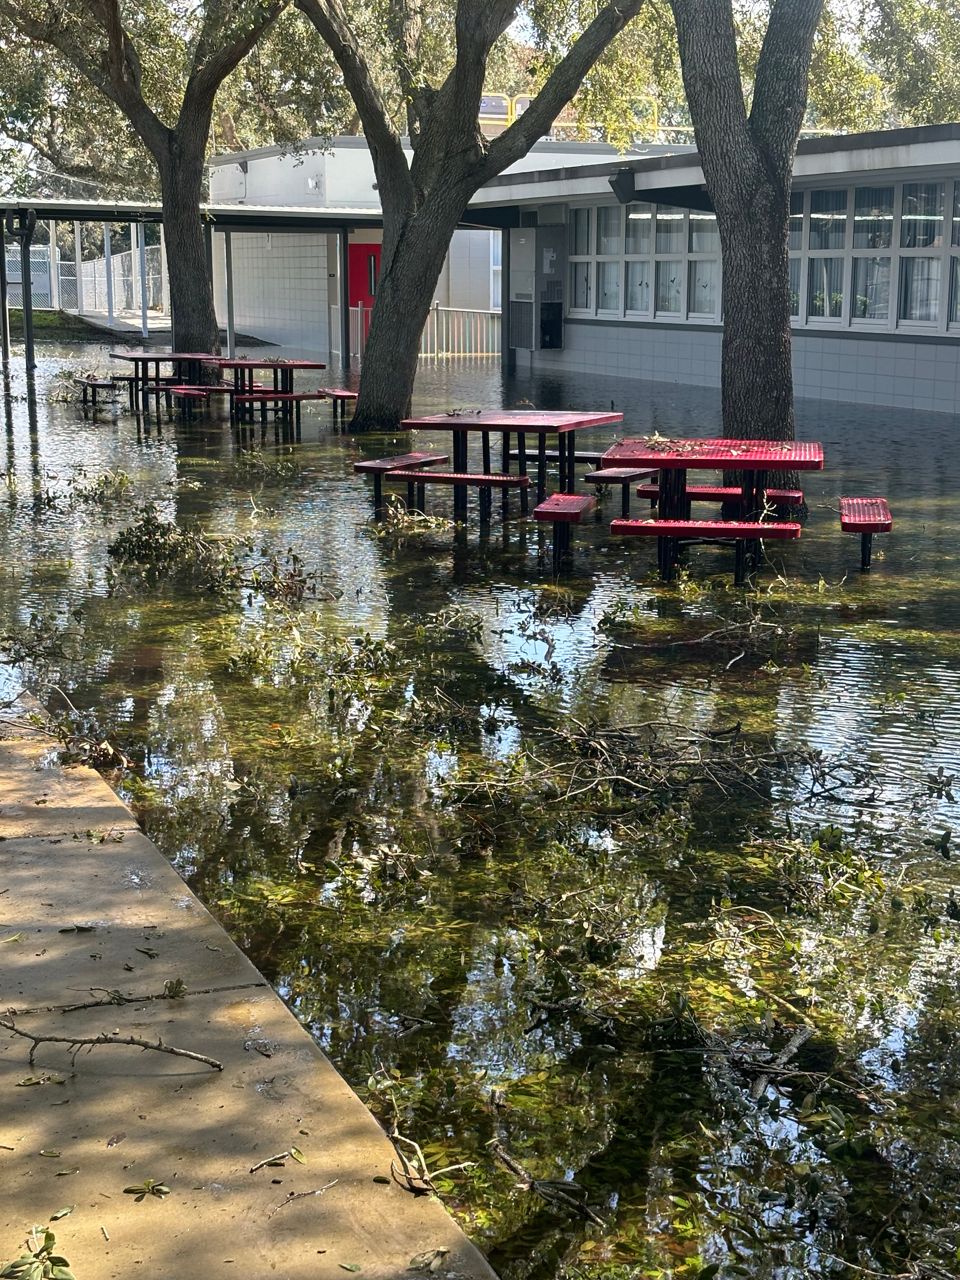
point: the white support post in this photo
(134, 269)
(142, 246)
(78, 262)
(228, 278)
(54, 268)
(164, 275)
(108, 269)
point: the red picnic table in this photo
(673, 458)
(562, 423)
(186, 368)
(244, 367)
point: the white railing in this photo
(449, 331)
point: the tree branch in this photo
(213, 62)
(386, 150)
(560, 87)
(784, 66)
(116, 73)
(77, 1043)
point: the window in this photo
(795, 226)
(669, 230)
(920, 289)
(868, 257)
(638, 286)
(873, 218)
(704, 237)
(794, 286)
(954, 317)
(871, 288)
(580, 285)
(496, 270)
(921, 218)
(639, 228)
(579, 231)
(825, 288)
(581, 264)
(668, 287)
(608, 232)
(704, 287)
(608, 286)
(828, 219)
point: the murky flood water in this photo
(649, 890)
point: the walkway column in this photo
(78, 261)
(21, 226)
(142, 246)
(342, 242)
(54, 268)
(4, 313)
(228, 281)
(508, 355)
(164, 279)
(134, 270)
(108, 267)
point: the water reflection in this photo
(581, 980)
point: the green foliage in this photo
(39, 1262)
(915, 45)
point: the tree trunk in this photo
(192, 313)
(756, 379)
(747, 163)
(412, 261)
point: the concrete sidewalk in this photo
(89, 906)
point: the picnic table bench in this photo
(563, 511)
(484, 481)
(340, 398)
(622, 476)
(90, 389)
(379, 467)
(865, 516)
(710, 532)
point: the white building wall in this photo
(280, 288)
(919, 374)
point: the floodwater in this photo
(549, 867)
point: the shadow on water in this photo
(651, 889)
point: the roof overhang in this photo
(222, 217)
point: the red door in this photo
(363, 272)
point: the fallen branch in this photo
(114, 997)
(302, 1195)
(566, 1195)
(76, 1043)
(796, 1041)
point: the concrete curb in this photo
(89, 906)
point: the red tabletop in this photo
(162, 355)
(536, 421)
(673, 454)
(248, 362)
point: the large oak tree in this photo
(747, 155)
(424, 199)
(161, 66)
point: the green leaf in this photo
(298, 1155)
(350, 1266)
(65, 1173)
(62, 1213)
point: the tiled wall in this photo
(901, 373)
(280, 288)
